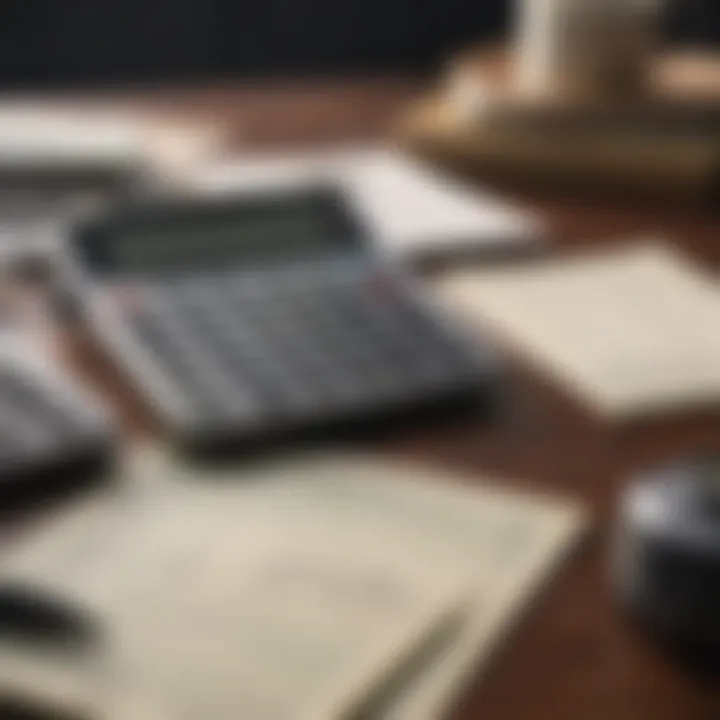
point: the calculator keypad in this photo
(38, 424)
(298, 345)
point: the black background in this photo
(91, 42)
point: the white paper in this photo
(224, 604)
(37, 136)
(630, 330)
(54, 134)
(192, 613)
(508, 544)
(415, 212)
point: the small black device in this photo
(265, 313)
(47, 648)
(667, 560)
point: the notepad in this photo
(630, 331)
(415, 211)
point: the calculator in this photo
(265, 314)
(55, 437)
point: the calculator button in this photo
(151, 331)
(196, 371)
(297, 342)
(24, 429)
(53, 421)
(283, 393)
(297, 376)
(10, 432)
(250, 362)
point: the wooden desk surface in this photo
(575, 657)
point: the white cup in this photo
(585, 48)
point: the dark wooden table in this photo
(575, 657)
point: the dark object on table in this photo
(668, 554)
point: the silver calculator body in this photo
(55, 436)
(264, 314)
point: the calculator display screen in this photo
(262, 231)
(218, 240)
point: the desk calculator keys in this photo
(197, 375)
(53, 435)
(265, 314)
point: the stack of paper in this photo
(55, 136)
(414, 211)
(316, 588)
(630, 330)
(56, 161)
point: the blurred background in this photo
(55, 43)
